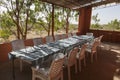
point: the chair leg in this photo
(69, 77)
(84, 62)
(61, 75)
(91, 58)
(76, 67)
(21, 65)
(96, 56)
(33, 78)
(33, 75)
(79, 65)
(87, 54)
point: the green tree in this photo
(96, 24)
(114, 25)
(44, 19)
(21, 14)
(5, 34)
(6, 26)
(57, 20)
(66, 16)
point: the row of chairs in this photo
(58, 37)
(38, 41)
(19, 44)
(48, 39)
(77, 54)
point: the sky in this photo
(107, 14)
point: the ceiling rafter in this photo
(76, 4)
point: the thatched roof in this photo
(76, 4)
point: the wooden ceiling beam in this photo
(76, 4)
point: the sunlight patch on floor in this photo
(116, 78)
(106, 47)
(117, 75)
(114, 50)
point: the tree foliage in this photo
(67, 16)
(96, 24)
(5, 34)
(6, 26)
(24, 15)
(44, 11)
(21, 14)
(114, 25)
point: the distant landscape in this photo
(113, 25)
(35, 33)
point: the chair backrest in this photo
(57, 37)
(82, 51)
(37, 41)
(72, 56)
(89, 34)
(94, 46)
(49, 39)
(100, 38)
(56, 68)
(63, 36)
(96, 39)
(17, 45)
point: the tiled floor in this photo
(105, 68)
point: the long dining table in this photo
(38, 54)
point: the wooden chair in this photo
(93, 50)
(81, 55)
(71, 60)
(54, 72)
(17, 45)
(37, 41)
(49, 39)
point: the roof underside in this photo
(76, 4)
